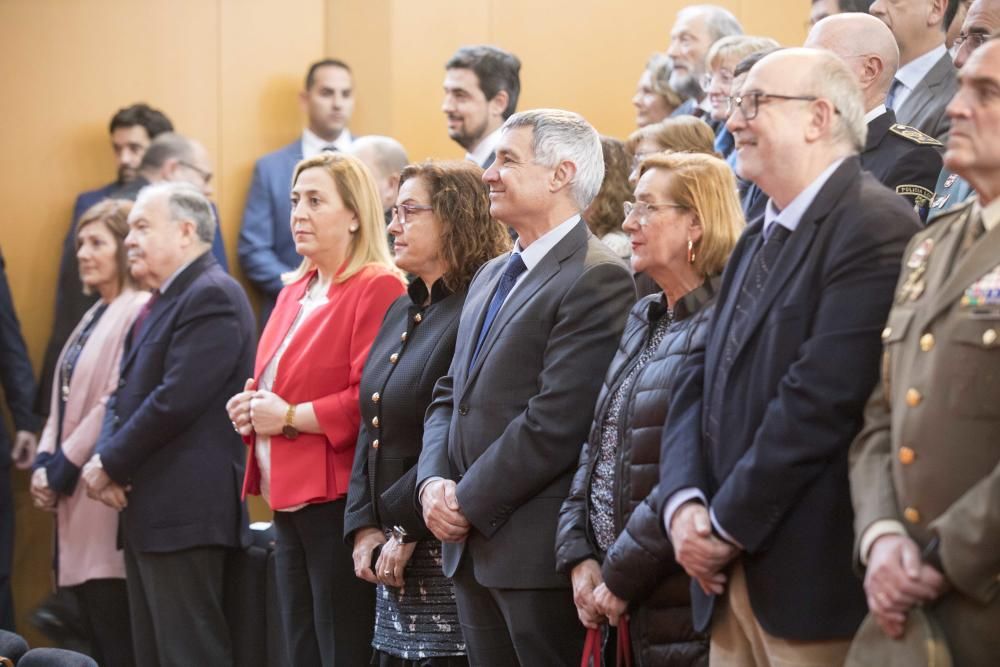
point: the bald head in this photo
(385, 158)
(867, 47)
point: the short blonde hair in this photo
(357, 189)
(685, 134)
(737, 47)
(706, 185)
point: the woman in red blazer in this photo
(299, 413)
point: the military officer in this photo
(901, 157)
(951, 190)
(925, 470)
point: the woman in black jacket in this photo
(682, 227)
(442, 234)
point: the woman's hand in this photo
(44, 497)
(609, 604)
(238, 408)
(267, 412)
(365, 541)
(392, 562)
(586, 577)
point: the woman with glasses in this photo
(442, 234)
(299, 413)
(682, 227)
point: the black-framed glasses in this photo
(206, 176)
(402, 211)
(749, 104)
(644, 209)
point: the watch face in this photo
(290, 432)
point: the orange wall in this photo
(227, 71)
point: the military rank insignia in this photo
(914, 135)
(984, 292)
(913, 286)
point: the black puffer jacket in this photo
(640, 565)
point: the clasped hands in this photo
(595, 603)
(702, 555)
(257, 411)
(442, 514)
(391, 562)
(101, 487)
(896, 580)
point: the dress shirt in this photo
(912, 73)
(485, 148)
(313, 145)
(875, 113)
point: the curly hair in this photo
(605, 215)
(461, 202)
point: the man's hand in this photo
(267, 412)
(701, 554)
(365, 541)
(44, 497)
(896, 580)
(609, 604)
(442, 513)
(586, 577)
(392, 561)
(114, 496)
(94, 477)
(23, 451)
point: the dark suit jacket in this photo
(925, 105)
(265, 247)
(903, 159)
(15, 372)
(168, 433)
(791, 404)
(509, 429)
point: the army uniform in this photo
(927, 462)
(951, 190)
(903, 159)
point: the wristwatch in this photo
(289, 430)
(400, 534)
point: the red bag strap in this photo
(624, 652)
(592, 649)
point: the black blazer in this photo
(792, 403)
(903, 159)
(167, 432)
(398, 393)
(15, 372)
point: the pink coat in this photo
(87, 528)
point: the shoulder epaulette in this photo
(914, 135)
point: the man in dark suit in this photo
(926, 79)
(132, 130)
(902, 158)
(18, 389)
(481, 87)
(753, 475)
(503, 432)
(168, 456)
(266, 249)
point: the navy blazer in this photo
(167, 432)
(792, 403)
(266, 248)
(15, 371)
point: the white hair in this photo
(720, 21)
(559, 135)
(389, 154)
(184, 202)
(832, 79)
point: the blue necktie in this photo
(890, 98)
(515, 267)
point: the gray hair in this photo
(184, 202)
(167, 146)
(389, 155)
(719, 21)
(831, 78)
(559, 135)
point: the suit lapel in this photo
(275, 334)
(750, 243)
(878, 128)
(926, 90)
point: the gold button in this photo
(376, 397)
(989, 337)
(886, 333)
(911, 514)
(418, 318)
(375, 443)
(906, 455)
(913, 397)
(403, 337)
(394, 357)
(927, 342)
(375, 422)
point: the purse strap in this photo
(624, 652)
(592, 649)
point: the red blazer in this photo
(322, 365)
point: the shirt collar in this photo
(875, 113)
(913, 72)
(990, 213)
(534, 253)
(313, 145)
(791, 215)
(165, 285)
(481, 152)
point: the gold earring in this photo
(690, 251)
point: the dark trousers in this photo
(104, 612)
(328, 614)
(506, 627)
(6, 549)
(175, 602)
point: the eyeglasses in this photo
(402, 211)
(975, 39)
(722, 76)
(749, 104)
(643, 209)
(206, 176)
